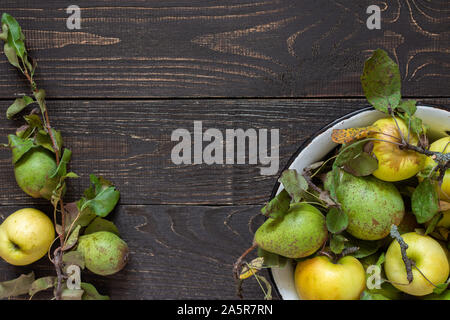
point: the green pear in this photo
(33, 170)
(104, 252)
(299, 233)
(372, 205)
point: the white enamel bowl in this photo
(320, 145)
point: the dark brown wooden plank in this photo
(129, 142)
(243, 48)
(177, 252)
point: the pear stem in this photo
(238, 266)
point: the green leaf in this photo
(100, 224)
(16, 287)
(381, 81)
(425, 201)
(18, 105)
(408, 107)
(42, 284)
(101, 198)
(278, 206)
(15, 35)
(34, 121)
(337, 243)
(73, 238)
(74, 258)
(440, 288)
(367, 295)
(337, 220)
(433, 222)
(11, 55)
(4, 33)
(19, 147)
(350, 152)
(90, 293)
(272, 259)
(43, 139)
(366, 247)
(61, 171)
(294, 183)
(363, 165)
(381, 259)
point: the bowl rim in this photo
(308, 141)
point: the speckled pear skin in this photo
(300, 233)
(372, 205)
(33, 170)
(104, 252)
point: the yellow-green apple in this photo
(25, 236)
(428, 256)
(319, 278)
(395, 164)
(441, 145)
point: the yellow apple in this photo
(441, 145)
(395, 164)
(429, 257)
(319, 278)
(25, 236)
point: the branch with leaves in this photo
(74, 222)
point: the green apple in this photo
(319, 278)
(25, 236)
(429, 257)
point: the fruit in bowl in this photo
(386, 221)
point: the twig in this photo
(403, 247)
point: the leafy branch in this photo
(98, 201)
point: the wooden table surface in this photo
(137, 70)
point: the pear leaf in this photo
(337, 220)
(90, 293)
(367, 295)
(278, 206)
(15, 36)
(43, 139)
(337, 243)
(18, 105)
(363, 165)
(73, 238)
(101, 198)
(294, 183)
(365, 247)
(42, 284)
(425, 201)
(440, 288)
(272, 259)
(11, 55)
(74, 258)
(16, 287)
(381, 81)
(19, 147)
(408, 106)
(100, 224)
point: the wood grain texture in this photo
(241, 48)
(177, 252)
(129, 142)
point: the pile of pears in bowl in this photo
(362, 212)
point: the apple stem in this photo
(403, 247)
